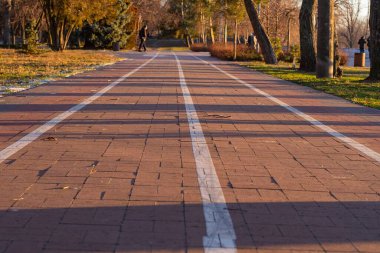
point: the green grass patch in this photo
(19, 70)
(351, 86)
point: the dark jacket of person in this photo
(362, 43)
(143, 33)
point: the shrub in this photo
(277, 47)
(226, 52)
(285, 57)
(199, 47)
(295, 50)
(31, 46)
(343, 58)
(294, 54)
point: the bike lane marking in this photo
(221, 237)
(29, 138)
(349, 141)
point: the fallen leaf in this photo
(50, 139)
(219, 116)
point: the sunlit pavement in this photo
(130, 172)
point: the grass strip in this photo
(21, 71)
(350, 87)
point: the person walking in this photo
(143, 34)
(251, 40)
(362, 43)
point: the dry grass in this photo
(199, 47)
(18, 70)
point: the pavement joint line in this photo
(221, 237)
(29, 138)
(351, 142)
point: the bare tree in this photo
(150, 13)
(350, 24)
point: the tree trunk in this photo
(226, 22)
(262, 38)
(23, 35)
(59, 31)
(336, 52)
(225, 31)
(308, 60)
(325, 54)
(220, 28)
(13, 36)
(288, 37)
(235, 39)
(7, 22)
(188, 40)
(67, 35)
(203, 28)
(212, 31)
(375, 40)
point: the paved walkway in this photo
(158, 154)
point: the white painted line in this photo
(220, 236)
(360, 147)
(29, 138)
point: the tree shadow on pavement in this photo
(175, 227)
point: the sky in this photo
(365, 7)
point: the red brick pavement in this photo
(121, 177)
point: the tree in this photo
(374, 24)
(235, 10)
(31, 38)
(262, 38)
(349, 21)
(211, 5)
(150, 12)
(62, 16)
(26, 12)
(289, 13)
(114, 30)
(121, 23)
(308, 59)
(7, 8)
(325, 54)
(188, 13)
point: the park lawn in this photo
(350, 87)
(21, 71)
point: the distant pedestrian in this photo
(143, 35)
(242, 40)
(362, 43)
(251, 40)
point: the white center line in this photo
(29, 138)
(220, 236)
(349, 141)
